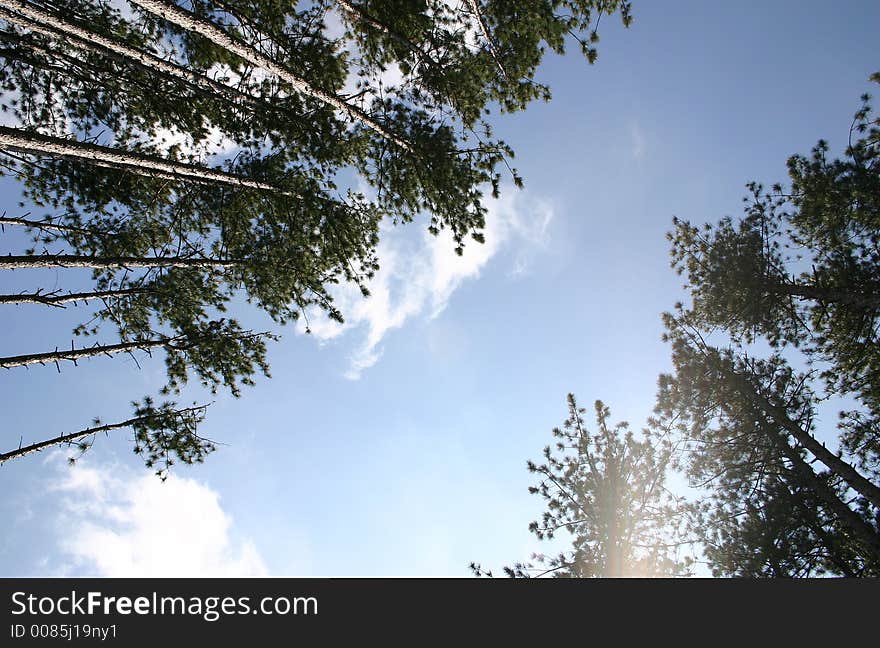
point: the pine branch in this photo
(45, 225)
(74, 436)
(359, 14)
(47, 24)
(475, 10)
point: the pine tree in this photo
(799, 275)
(605, 490)
(778, 502)
(276, 122)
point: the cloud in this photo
(419, 276)
(638, 141)
(215, 144)
(117, 524)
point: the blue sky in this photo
(397, 444)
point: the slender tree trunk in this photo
(75, 436)
(177, 343)
(47, 226)
(490, 44)
(60, 300)
(35, 143)
(82, 261)
(192, 23)
(73, 355)
(854, 478)
(835, 556)
(869, 300)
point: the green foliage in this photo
(152, 89)
(165, 433)
(767, 511)
(800, 273)
(606, 489)
(801, 269)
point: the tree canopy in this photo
(191, 153)
(606, 491)
(782, 330)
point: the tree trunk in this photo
(830, 543)
(77, 354)
(855, 479)
(192, 23)
(35, 143)
(83, 261)
(475, 10)
(852, 520)
(60, 300)
(870, 301)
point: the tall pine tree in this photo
(605, 490)
(189, 153)
(799, 276)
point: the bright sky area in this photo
(397, 444)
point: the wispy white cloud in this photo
(419, 276)
(114, 523)
(637, 139)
